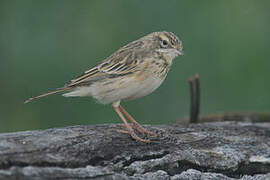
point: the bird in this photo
(133, 71)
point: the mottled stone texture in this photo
(216, 150)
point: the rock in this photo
(215, 150)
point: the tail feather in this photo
(49, 93)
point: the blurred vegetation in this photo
(44, 44)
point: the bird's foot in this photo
(142, 129)
(133, 135)
(138, 127)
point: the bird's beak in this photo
(180, 52)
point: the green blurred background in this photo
(43, 44)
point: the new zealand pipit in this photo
(133, 71)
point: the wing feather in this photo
(118, 64)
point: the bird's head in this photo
(166, 43)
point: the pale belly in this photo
(119, 89)
(144, 88)
(128, 89)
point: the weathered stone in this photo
(216, 150)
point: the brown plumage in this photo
(133, 71)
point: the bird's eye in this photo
(164, 43)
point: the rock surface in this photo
(216, 150)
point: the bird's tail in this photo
(59, 90)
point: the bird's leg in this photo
(136, 125)
(129, 128)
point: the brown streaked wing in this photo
(116, 65)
